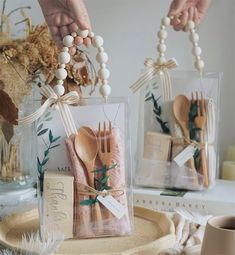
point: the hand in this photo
(64, 17)
(184, 10)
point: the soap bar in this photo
(157, 146)
(58, 199)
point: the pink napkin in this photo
(84, 227)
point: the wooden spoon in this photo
(86, 147)
(181, 109)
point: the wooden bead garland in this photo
(193, 37)
(64, 58)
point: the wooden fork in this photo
(104, 143)
(104, 152)
(200, 122)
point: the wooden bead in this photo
(166, 21)
(161, 47)
(64, 57)
(68, 40)
(62, 65)
(87, 42)
(105, 90)
(65, 49)
(97, 41)
(59, 90)
(72, 50)
(78, 40)
(103, 73)
(199, 65)
(101, 49)
(74, 34)
(102, 57)
(197, 51)
(194, 37)
(60, 82)
(190, 25)
(61, 74)
(91, 34)
(162, 34)
(83, 33)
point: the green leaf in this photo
(148, 99)
(39, 167)
(40, 127)
(54, 146)
(55, 139)
(50, 136)
(105, 179)
(44, 161)
(49, 119)
(42, 132)
(46, 152)
(48, 114)
(112, 167)
(88, 202)
(107, 187)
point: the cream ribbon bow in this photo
(152, 69)
(55, 102)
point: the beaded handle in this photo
(193, 37)
(64, 58)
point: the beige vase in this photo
(219, 238)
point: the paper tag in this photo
(112, 205)
(184, 155)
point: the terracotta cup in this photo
(219, 238)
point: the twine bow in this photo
(55, 102)
(153, 68)
(89, 191)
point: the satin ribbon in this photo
(152, 69)
(59, 103)
(91, 191)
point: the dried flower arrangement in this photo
(32, 61)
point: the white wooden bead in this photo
(199, 65)
(166, 21)
(97, 41)
(194, 37)
(60, 82)
(197, 51)
(161, 61)
(105, 90)
(68, 40)
(64, 57)
(103, 73)
(61, 74)
(161, 47)
(162, 34)
(102, 57)
(74, 34)
(65, 49)
(161, 54)
(91, 34)
(59, 90)
(103, 65)
(62, 65)
(83, 33)
(104, 82)
(162, 27)
(161, 41)
(101, 49)
(191, 24)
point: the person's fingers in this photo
(73, 27)
(196, 17)
(202, 7)
(191, 13)
(176, 7)
(64, 30)
(183, 21)
(58, 41)
(79, 11)
(175, 21)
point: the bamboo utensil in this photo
(200, 122)
(86, 147)
(104, 142)
(181, 108)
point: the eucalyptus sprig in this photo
(101, 183)
(158, 111)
